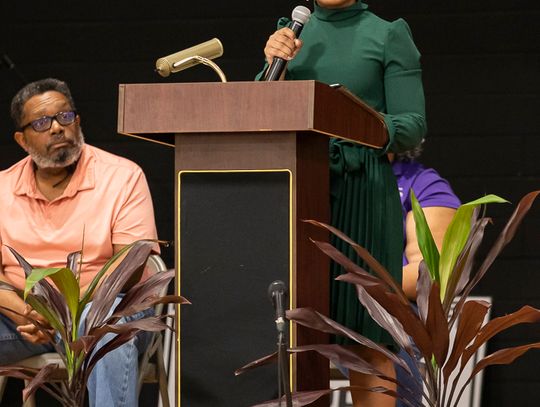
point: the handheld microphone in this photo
(300, 16)
(277, 292)
(184, 59)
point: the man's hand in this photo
(31, 332)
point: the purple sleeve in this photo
(433, 190)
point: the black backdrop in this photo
(481, 62)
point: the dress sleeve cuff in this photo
(391, 133)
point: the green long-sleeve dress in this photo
(378, 61)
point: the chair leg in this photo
(31, 401)
(3, 382)
(162, 376)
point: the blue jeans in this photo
(414, 385)
(112, 383)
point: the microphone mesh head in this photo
(301, 14)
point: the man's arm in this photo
(11, 300)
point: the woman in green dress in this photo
(377, 60)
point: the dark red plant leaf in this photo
(423, 291)
(265, 360)
(367, 257)
(437, 326)
(73, 261)
(45, 290)
(39, 325)
(501, 357)
(39, 380)
(149, 303)
(112, 285)
(125, 331)
(83, 344)
(386, 320)
(312, 319)
(27, 268)
(345, 262)
(55, 304)
(335, 353)
(299, 399)
(305, 398)
(526, 314)
(6, 286)
(149, 324)
(404, 323)
(341, 356)
(18, 372)
(152, 286)
(470, 320)
(504, 238)
(114, 343)
(46, 294)
(374, 286)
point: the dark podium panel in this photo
(234, 234)
(250, 168)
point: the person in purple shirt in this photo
(439, 204)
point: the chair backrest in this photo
(152, 372)
(155, 264)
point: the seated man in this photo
(63, 189)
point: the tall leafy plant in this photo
(445, 277)
(62, 305)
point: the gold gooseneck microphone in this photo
(199, 54)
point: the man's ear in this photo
(20, 139)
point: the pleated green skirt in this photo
(365, 206)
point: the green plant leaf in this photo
(68, 285)
(457, 235)
(487, 199)
(48, 313)
(426, 243)
(36, 276)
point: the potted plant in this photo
(62, 307)
(443, 278)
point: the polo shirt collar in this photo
(83, 177)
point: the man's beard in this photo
(64, 157)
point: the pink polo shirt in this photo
(107, 197)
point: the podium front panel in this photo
(234, 240)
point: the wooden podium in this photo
(251, 160)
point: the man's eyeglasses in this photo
(44, 123)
